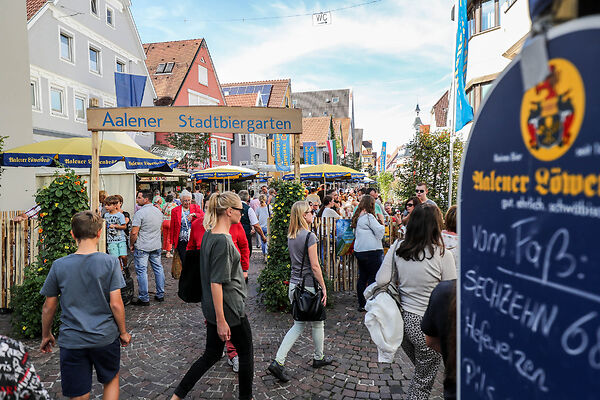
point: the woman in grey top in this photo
(223, 294)
(368, 248)
(422, 263)
(300, 219)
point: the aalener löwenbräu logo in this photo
(552, 112)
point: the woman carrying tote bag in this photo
(422, 263)
(223, 296)
(302, 266)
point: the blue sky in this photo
(391, 52)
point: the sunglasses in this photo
(410, 205)
(419, 191)
(239, 209)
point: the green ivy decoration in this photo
(58, 202)
(274, 278)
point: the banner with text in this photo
(383, 157)
(310, 153)
(214, 119)
(529, 319)
(282, 152)
(464, 111)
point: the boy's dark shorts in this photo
(76, 367)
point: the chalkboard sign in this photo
(530, 226)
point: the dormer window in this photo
(165, 68)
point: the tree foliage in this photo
(58, 202)
(352, 160)
(197, 146)
(429, 162)
(384, 181)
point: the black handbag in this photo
(190, 284)
(307, 306)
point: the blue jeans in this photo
(141, 264)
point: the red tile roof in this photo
(440, 110)
(277, 98)
(242, 100)
(345, 125)
(317, 129)
(33, 6)
(181, 52)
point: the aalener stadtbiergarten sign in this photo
(213, 119)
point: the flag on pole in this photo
(464, 111)
(129, 89)
(383, 157)
(310, 153)
(332, 151)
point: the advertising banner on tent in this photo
(310, 153)
(529, 302)
(282, 152)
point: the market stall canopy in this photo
(155, 176)
(76, 152)
(326, 171)
(224, 172)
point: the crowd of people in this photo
(220, 227)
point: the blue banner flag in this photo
(383, 157)
(282, 152)
(130, 89)
(464, 111)
(310, 153)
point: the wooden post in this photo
(95, 173)
(297, 157)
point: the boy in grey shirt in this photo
(93, 316)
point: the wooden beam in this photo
(95, 173)
(297, 158)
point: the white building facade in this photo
(75, 47)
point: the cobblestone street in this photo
(169, 336)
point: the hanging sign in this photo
(196, 119)
(282, 152)
(310, 153)
(529, 300)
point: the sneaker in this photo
(278, 371)
(235, 363)
(138, 302)
(159, 299)
(322, 362)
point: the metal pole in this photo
(95, 173)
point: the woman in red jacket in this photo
(181, 222)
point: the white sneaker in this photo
(235, 363)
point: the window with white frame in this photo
(214, 149)
(94, 60)
(223, 150)
(335, 99)
(110, 17)
(120, 66)
(66, 46)
(202, 75)
(57, 101)
(80, 101)
(94, 7)
(244, 140)
(243, 163)
(252, 140)
(35, 95)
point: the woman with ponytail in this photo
(223, 295)
(302, 244)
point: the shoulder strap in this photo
(394, 276)
(304, 252)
